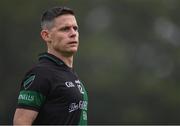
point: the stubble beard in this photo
(66, 52)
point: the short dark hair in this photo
(49, 15)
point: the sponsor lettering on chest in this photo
(70, 84)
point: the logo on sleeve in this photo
(28, 81)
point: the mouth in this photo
(73, 42)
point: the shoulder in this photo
(40, 70)
(38, 78)
(38, 75)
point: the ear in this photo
(45, 35)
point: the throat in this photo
(67, 59)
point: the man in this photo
(51, 92)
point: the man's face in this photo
(64, 36)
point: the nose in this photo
(73, 32)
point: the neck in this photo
(68, 60)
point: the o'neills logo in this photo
(26, 97)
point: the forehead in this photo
(64, 20)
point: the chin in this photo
(73, 50)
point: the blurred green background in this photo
(129, 56)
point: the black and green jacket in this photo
(53, 90)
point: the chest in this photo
(66, 88)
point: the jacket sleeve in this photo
(34, 89)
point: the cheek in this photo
(77, 35)
(60, 43)
(59, 39)
(56, 39)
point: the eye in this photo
(75, 28)
(66, 28)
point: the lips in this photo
(73, 42)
